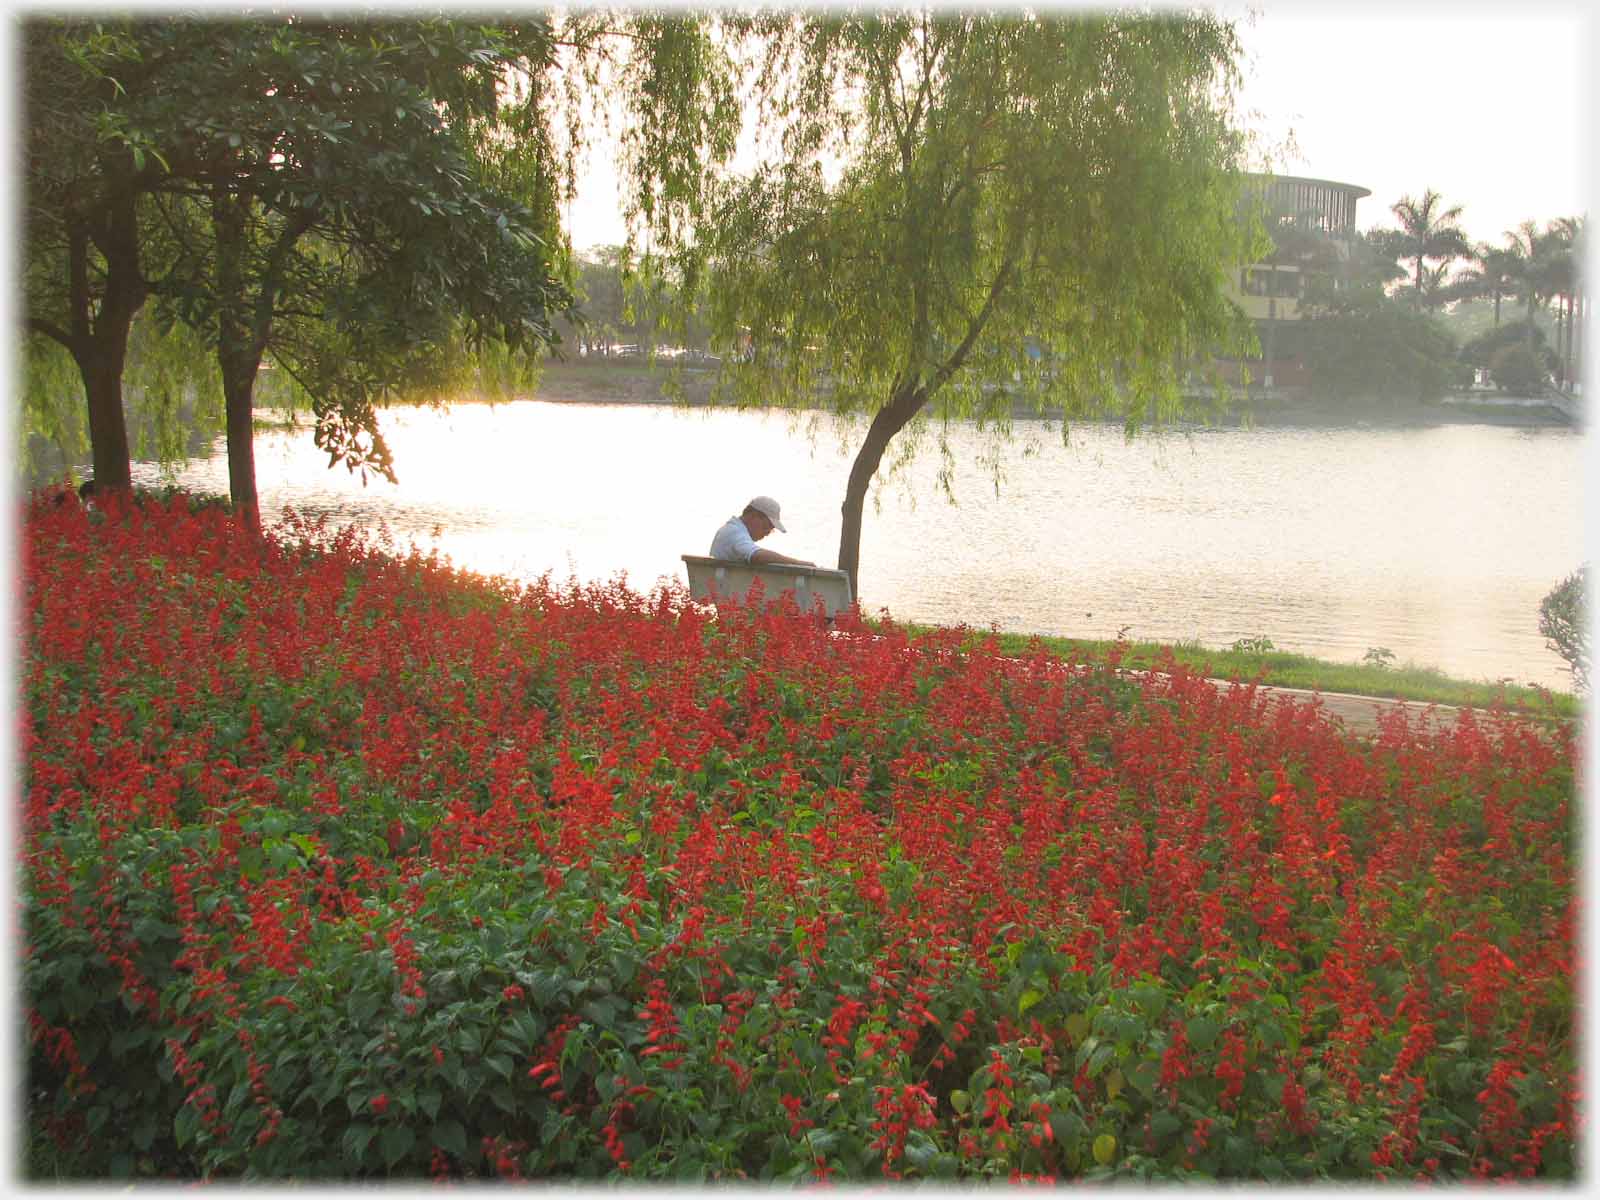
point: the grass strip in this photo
(1282, 668)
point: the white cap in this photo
(768, 507)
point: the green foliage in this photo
(1428, 234)
(369, 204)
(53, 430)
(1358, 342)
(1259, 644)
(1388, 351)
(1519, 368)
(1564, 622)
(1285, 668)
(1481, 349)
(939, 195)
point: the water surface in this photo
(1435, 543)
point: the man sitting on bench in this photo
(736, 540)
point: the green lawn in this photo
(1281, 668)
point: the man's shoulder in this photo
(732, 541)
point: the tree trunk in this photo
(237, 355)
(108, 426)
(1566, 348)
(98, 338)
(888, 421)
(1579, 302)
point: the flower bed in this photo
(340, 864)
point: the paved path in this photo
(1359, 713)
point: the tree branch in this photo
(50, 330)
(976, 324)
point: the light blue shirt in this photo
(733, 542)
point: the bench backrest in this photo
(711, 578)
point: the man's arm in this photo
(772, 556)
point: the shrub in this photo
(1386, 351)
(1481, 350)
(337, 865)
(1564, 622)
(1516, 368)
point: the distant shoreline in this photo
(635, 383)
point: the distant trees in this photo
(1535, 268)
(1491, 275)
(1359, 341)
(1567, 235)
(1430, 239)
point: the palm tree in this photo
(1534, 273)
(1489, 277)
(1565, 249)
(1428, 231)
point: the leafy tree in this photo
(1564, 623)
(312, 189)
(1428, 232)
(1491, 276)
(1519, 368)
(358, 199)
(946, 192)
(1359, 342)
(1482, 350)
(346, 226)
(85, 174)
(599, 319)
(1534, 271)
(1567, 251)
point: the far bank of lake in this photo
(632, 380)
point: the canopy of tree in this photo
(357, 198)
(966, 213)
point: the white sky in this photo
(1488, 104)
(1485, 103)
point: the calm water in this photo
(1437, 544)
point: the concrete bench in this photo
(716, 578)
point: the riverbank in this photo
(634, 381)
(1281, 669)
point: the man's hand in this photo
(772, 556)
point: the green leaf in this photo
(1067, 1126)
(355, 1142)
(449, 1136)
(397, 1142)
(500, 1065)
(428, 1100)
(184, 1125)
(1105, 1149)
(362, 1007)
(1027, 1000)
(1164, 1124)
(1102, 1055)
(960, 1101)
(1077, 1026)
(1202, 1032)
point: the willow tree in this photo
(969, 214)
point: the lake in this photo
(1435, 543)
